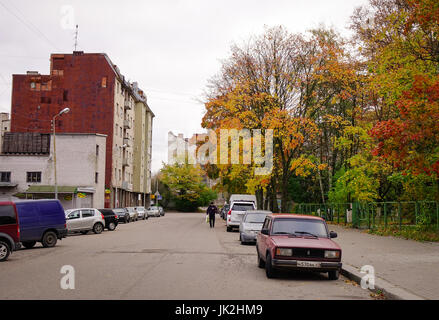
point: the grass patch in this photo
(412, 232)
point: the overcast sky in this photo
(171, 48)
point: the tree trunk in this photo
(284, 199)
(259, 198)
(321, 186)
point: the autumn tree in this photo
(401, 48)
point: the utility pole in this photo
(65, 110)
(76, 37)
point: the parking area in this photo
(172, 257)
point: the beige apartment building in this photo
(123, 145)
(142, 147)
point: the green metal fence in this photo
(373, 215)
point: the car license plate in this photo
(308, 264)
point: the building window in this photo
(97, 150)
(5, 177)
(32, 85)
(33, 177)
(96, 177)
(65, 95)
(45, 100)
(104, 82)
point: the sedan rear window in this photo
(255, 218)
(242, 207)
(7, 215)
(300, 227)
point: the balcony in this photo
(127, 105)
(127, 142)
(126, 124)
(127, 186)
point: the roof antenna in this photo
(76, 37)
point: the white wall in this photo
(77, 164)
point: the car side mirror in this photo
(265, 231)
(333, 234)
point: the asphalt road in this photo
(172, 257)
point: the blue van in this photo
(41, 221)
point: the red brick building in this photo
(100, 101)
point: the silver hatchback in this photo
(251, 225)
(141, 213)
(134, 215)
(84, 220)
(153, 211)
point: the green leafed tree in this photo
(185, 182)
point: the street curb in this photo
(389, 290)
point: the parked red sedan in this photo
(9, 230)
(298, 242)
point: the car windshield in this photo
(243, 207)
(255, 218)
(300, 227)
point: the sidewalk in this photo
(406, 264)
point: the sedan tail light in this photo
(102, 216)
(230, 212)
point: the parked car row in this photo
(284, 241)
(24, 223)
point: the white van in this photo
(239, 205)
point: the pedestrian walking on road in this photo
(211, 211)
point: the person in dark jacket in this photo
(211, 211)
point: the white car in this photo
(239, 205)
(141, 213)
(84, 220)
(153, 211)
(134, 216)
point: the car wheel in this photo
(111, 226)
(261, 263)
(98, 228)
(5, 251)
(334, 274)
(269, 271)
(49, 239)
(127, 220)
(240, 239)
(29, 244)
